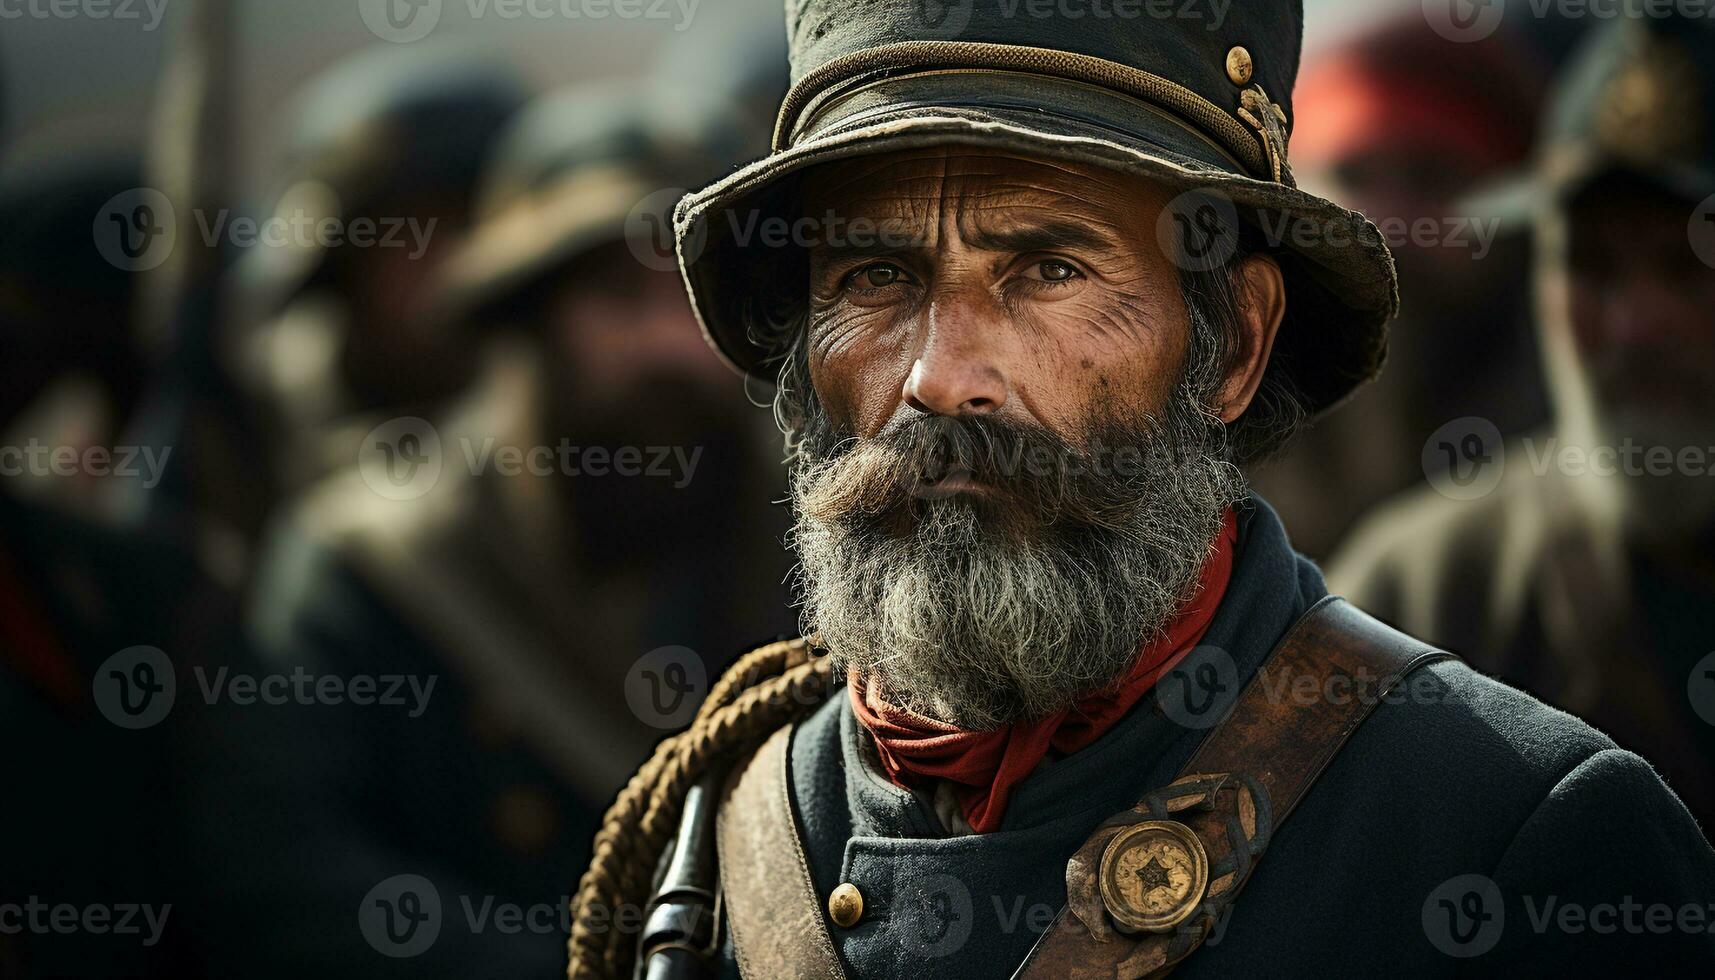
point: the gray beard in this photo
(981, 622)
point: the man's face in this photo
(628, 370)
(1631, 345)
(998, 286)
(1012, 462)
(625, 335)
(1639, 312)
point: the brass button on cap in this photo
(845, 905)
(1240, 67)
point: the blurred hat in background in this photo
(578, 169)
(1637, 98)
(1404, 87)
(380, 130)
(602, 163)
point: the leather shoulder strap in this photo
(771, 904)
(1332, 669)
(1149, 885)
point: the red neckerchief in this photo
(986, 766)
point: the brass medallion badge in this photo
(1154, 875)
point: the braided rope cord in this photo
(766, 689)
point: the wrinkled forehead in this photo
(926, 187)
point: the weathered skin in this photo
(1006, 284)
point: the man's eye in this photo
(878, 276)
(1053, 270)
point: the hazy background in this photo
(83, 83)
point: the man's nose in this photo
(959, 371)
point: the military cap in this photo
(1195, 104)
(579, 168)
(381, 127)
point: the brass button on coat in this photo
(1240, 67)
(845, 905)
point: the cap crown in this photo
(1190, 43)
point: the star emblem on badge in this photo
(1154, 874)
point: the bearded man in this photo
(1066, 679)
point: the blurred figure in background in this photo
(97, 782)
(72, 369)
(336, 336)
(1400, 123)
(1581, 559)
(542, 550)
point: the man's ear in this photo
(1261, 293)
